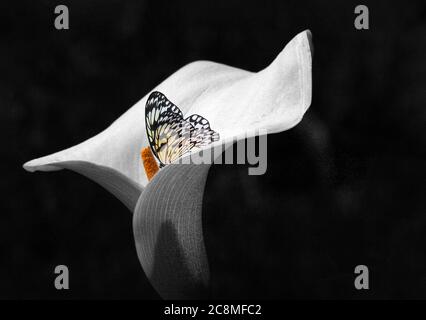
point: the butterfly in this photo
(170, 135)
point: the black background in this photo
(343, 188)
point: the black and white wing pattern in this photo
(170, 135)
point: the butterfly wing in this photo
(173, 137)
(157, 110)
(170, 135)
(202, 132)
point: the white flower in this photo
(167, 209)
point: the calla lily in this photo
(167, 209)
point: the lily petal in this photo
(168, 232)
(233, 100)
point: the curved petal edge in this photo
(167, 225)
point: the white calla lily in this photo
(167, 210)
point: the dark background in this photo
(343, 188)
